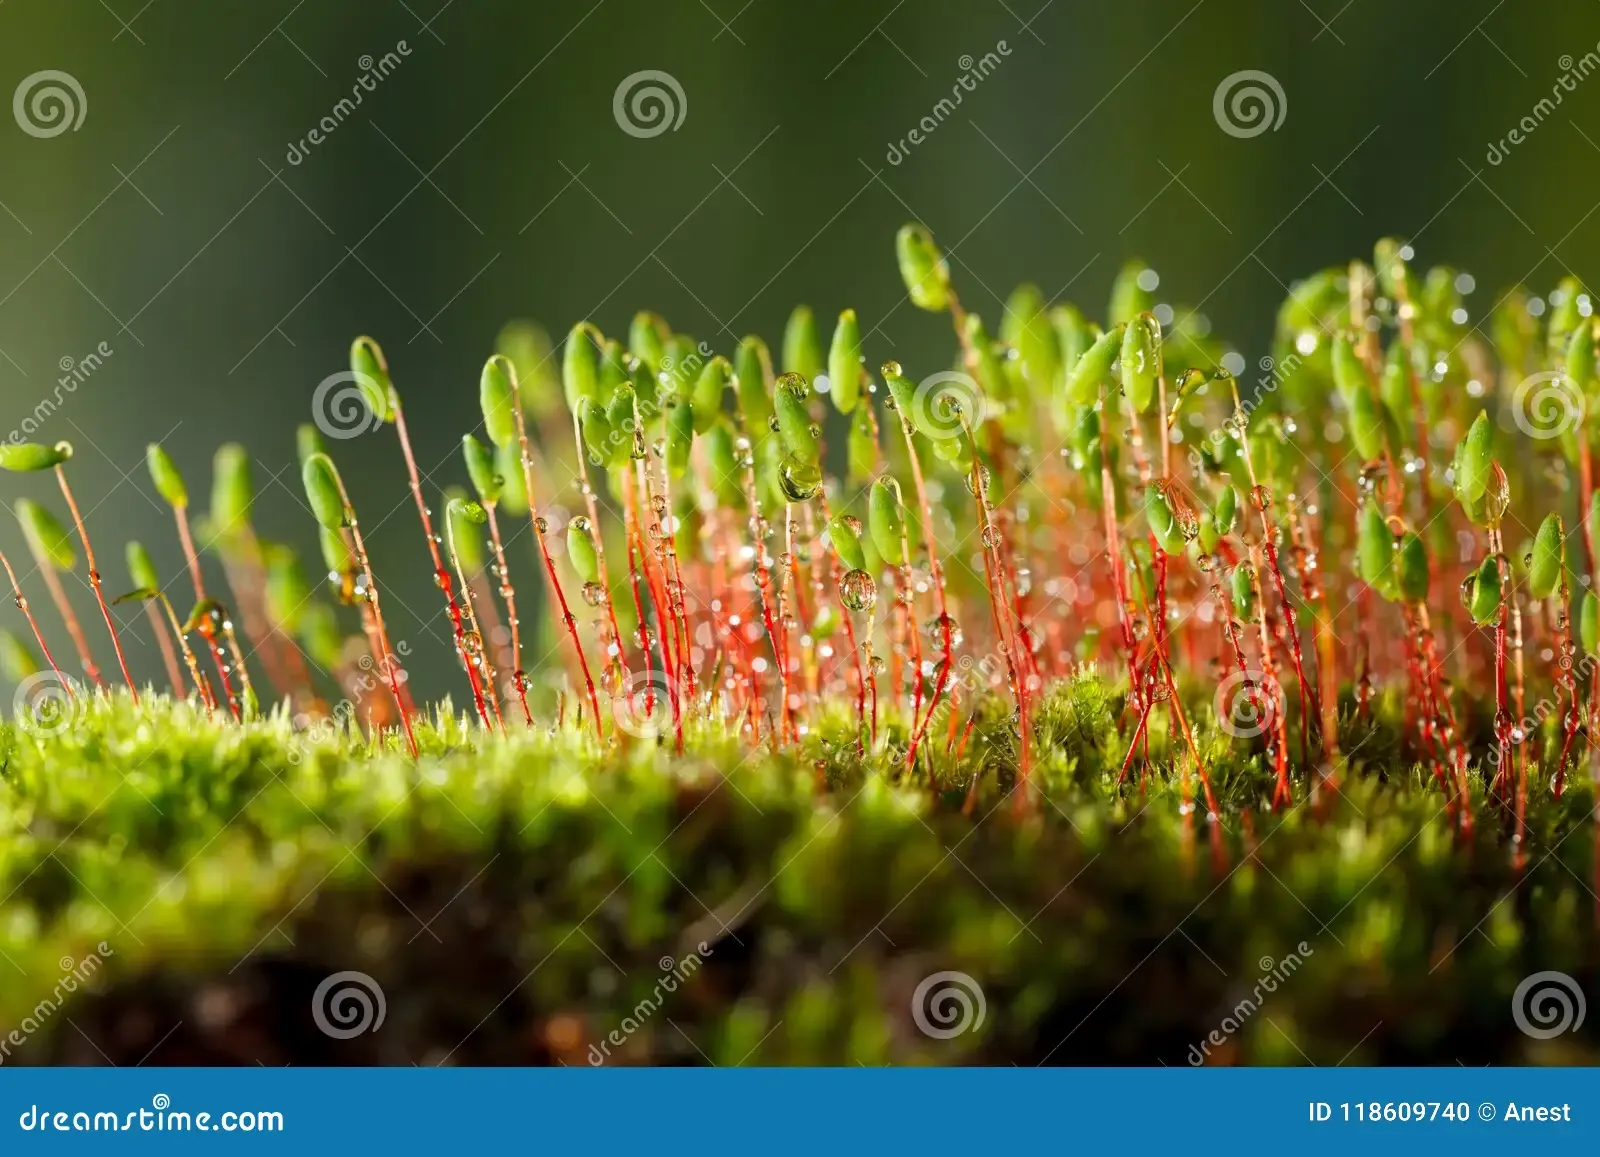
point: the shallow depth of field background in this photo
(487, 178)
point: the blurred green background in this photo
(486, 177)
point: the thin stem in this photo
(380, 632)
(508, 595)
(94, 581)
(22, 605)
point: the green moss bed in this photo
(517, 898)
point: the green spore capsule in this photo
(307, 441)
(481, 470)
(923, 268)
(802, 346)
(796, 429)
(371, 373)
(706, 394)
(497, 399)
(232, 490)
(580, 368)
(1094, 367)
(1375, 551)
(323, 492)
(1473, 461)
(1141, 361)
(466, 516)
(861, 445)
(141, 567)
(844, 363)
(582, 552)
(46, 535)
(1242, 582)
(647, 339)
(1129, 293)
(1589, 623)
(26, 457)
(844, 533)
(513, 482)
(1350, 376)
(1414, 570)
(287, 593)
(166, 476)
(1480, 592)
(598, 434)
(1366, 425)
(680, 436)
(752, 375)
(527, 346)
(886, 521)
(1545, 560)
(16, 659)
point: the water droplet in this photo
(593, 593)
(858, 591)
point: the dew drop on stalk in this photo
(972, 480)
(541, 524)
(858, 591)
(593, 593)
(1468, 586)
(991, 536)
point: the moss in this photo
(514, 898)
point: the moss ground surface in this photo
(515, 898)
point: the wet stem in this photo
(94, 581)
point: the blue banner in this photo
(777, 1111)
